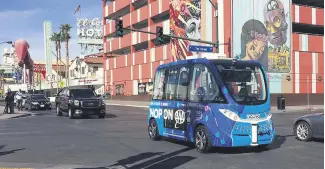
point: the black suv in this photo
(79, 102)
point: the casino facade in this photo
(285, 36)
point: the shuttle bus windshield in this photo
(245, 82)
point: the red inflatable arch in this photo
(23, 56)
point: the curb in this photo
(275, 111)
(23, 115)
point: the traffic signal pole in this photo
(159, 32)
(176, 37)
(137, 30)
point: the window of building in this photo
(203, 84)
(159, 83)
(172, 82)
(95, 69)
(307, 29)
(183, 82)
(83, 70)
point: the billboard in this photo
(261, 31)
(185, 21)
(48, 47)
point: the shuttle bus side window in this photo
(203, 83)
(158, 91)
(183, 82)
(171, 84)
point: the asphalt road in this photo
(121, 141)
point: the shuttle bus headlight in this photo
(229, 114)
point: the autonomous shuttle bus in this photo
(210, 103)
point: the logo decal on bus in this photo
(172, 119)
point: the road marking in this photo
(16, 133)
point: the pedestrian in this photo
(19, 98)
(7, 103)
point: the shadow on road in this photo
(278, 141)
(107, 116)
(170, 160)
(318, 140)
(2, 153)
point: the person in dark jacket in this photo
(7, 101)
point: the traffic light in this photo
(160, 34)
(119, 27)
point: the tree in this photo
(2, 80)
(65, 33)
(56, 38)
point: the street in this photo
(45, 140)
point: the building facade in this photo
(87, 72)
(288, 35)
(8, 56)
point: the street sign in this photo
(193, 48)
(61, 84)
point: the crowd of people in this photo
(9, 100)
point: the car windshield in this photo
(37, 97)
(245, 82)
(82, 93)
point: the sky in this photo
(23, 19)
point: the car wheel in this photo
(58, 112)
(203, 141)
(303, 131)
(153, 130)
(70, 113)
(102, 114)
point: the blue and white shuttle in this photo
(222, 103)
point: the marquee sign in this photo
(89, 31)
(90, 35)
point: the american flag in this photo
(77, 9)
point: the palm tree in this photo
(65, 33)
(2, 71)
(56, 38)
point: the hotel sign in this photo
(90, 31)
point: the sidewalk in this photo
(16, 114)
(142, 104)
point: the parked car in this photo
(309, 126)
(80, 102)
(37, 101)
